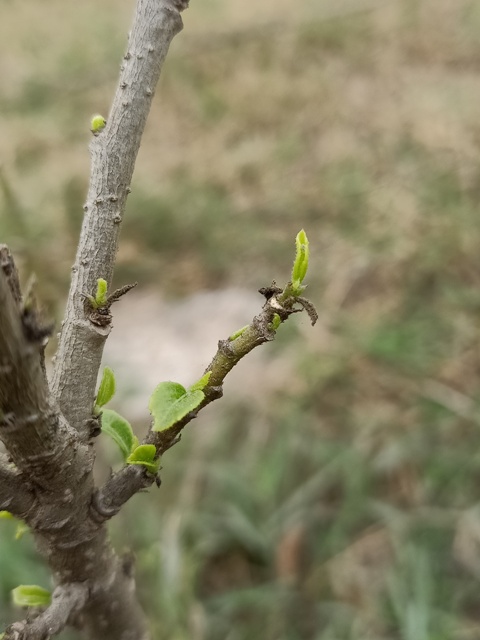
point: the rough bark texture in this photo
(14, 495)
(113, 155)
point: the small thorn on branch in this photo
(7, 264)
(309, 308)
(118, 293)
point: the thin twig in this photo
(108, 500)
(67, 601)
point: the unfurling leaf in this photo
(145, 455)
(200, 384)
(31, 595)
(120, 430)
(300, 266)
(238, 333)
(6, 515)
(106, 390)
(276, 322)
(170, 402)
(101, 293)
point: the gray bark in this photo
(113, 155)
(14, 495)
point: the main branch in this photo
(113, 155)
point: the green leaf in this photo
(120, 430)
(238, 333)
(31, 595)
(200, 384)
(106, 390)
(101, 294)
(300, 266)
(276, 322)
(6, 515)
(145, 455)
(170, 402)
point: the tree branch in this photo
(113, 154)
(108, 500)
(14, 495)
(28, 425)
(67, 601)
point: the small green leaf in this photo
(145, 455)
(300, 266)
(97, 123)
(106, 390)
(101, 293)
(238, 333)
(276, 322)
(202, 383)
(6, 515)
(31, 595)
(120, 430)
(170, 402)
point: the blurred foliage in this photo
(346, 507)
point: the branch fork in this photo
(47, 478)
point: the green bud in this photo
(238, 333)
(300, 266)
(97, 123)
(101, 294)
(202, 383)
(276, 322)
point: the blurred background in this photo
(333, 493)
